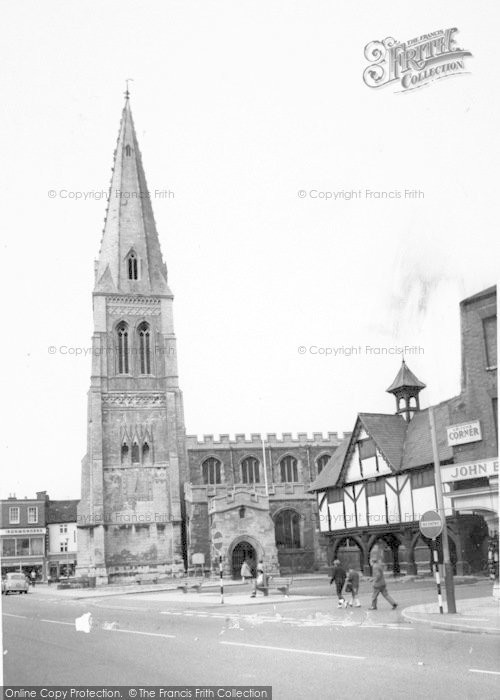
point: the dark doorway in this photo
(242, 551)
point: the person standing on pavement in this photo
(260, 582)
(246, 572)
(379, 585)
(352, 587)
(338, 575)
(33, 577)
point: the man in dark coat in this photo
(338, 575)
(379, 585)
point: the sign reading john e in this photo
(415, 62)
(431, 524)
(462, 433)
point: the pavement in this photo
(480, 615)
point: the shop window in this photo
(36, 545)
(250, 468)
(289, 471)
(287, 529)
(23, 547)
(9, 548)
(211, 471)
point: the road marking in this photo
(22, 617)
(480, 670)
(295, 651)
(59, 622)
(145, 634)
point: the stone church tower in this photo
(130, 517)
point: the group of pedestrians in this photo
(348, 582)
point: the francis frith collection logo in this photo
(416, 62)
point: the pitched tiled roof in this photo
(61, 511)
(389, 432)
(418, 445)
(404, 445)
(331, 471)
(405, 377)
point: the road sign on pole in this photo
(431, 524)
(217, 540)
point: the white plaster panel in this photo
(376, 510)
(337, 516)
(423, 499)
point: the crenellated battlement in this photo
(270, 439)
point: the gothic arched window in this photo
(135, 453)
(321, 462)
(124, 453)
(211, 471)
(128, 150)
(287, 529)
(122, 338)
(288, 466)
(132, 266)
(250, 470)
(144, 348)
(146, 453)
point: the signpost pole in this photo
(448, 569)
(221, 581)
(436, 571)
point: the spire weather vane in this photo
(127, 92)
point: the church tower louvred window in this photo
(145, 348)
(132, 266)
(122, 338)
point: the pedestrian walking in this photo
(246, 572)
(338, 575)
(352, 587)
(260, 583)
(33, 577)
(379, 585)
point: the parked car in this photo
(15, 583)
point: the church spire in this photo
(130, 260)
(406, 388)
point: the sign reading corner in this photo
(462, 433)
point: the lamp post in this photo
(448, 568)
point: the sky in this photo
(238, 107)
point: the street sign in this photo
(463, 433)
(431, 524)
(217, 540)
